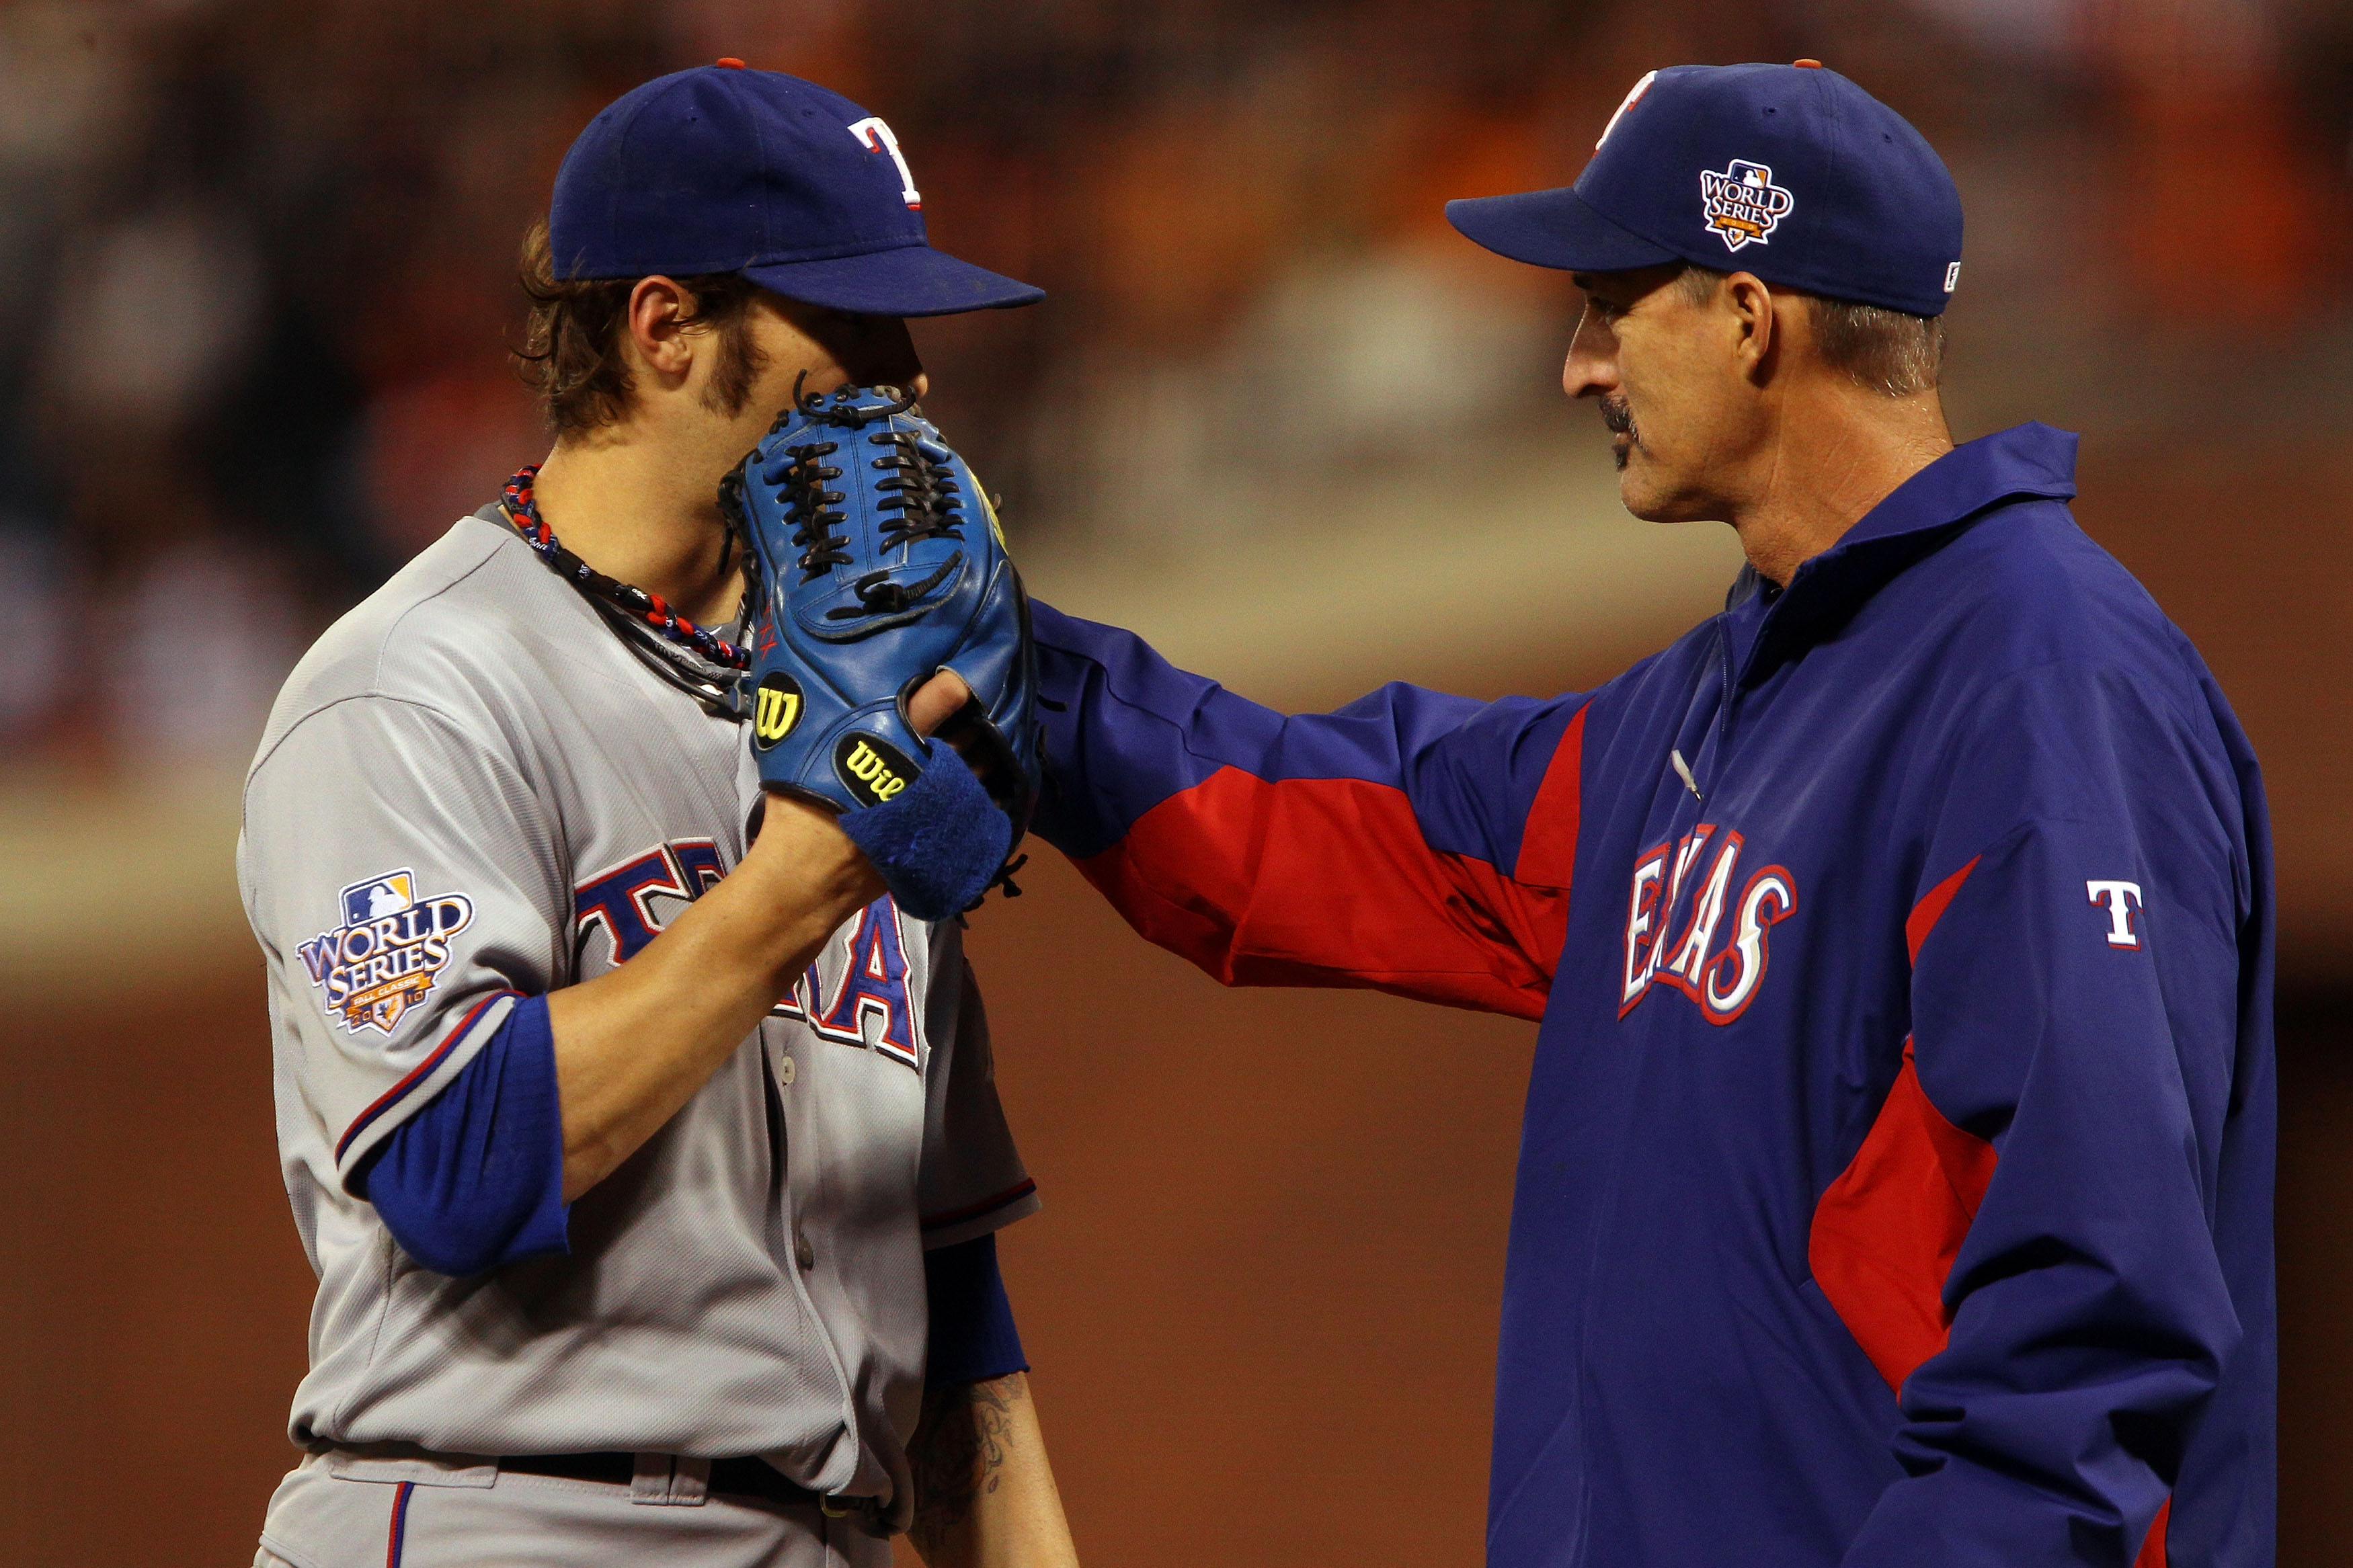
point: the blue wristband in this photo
(940, 844)
(971, 1335)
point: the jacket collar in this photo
(2030, 462)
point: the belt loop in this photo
(670, 1480)
(650, 1484)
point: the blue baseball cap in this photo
(1791, 173)
(725, 169)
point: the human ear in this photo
(657, 315)
(1751, 303)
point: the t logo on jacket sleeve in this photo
(2122, 900)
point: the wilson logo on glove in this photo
(775, 709)
(870, 769)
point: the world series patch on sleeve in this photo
(384, 957)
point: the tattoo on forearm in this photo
(959, 1447)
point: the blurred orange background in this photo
(1273, 415)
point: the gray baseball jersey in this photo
(473, 791)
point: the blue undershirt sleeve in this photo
(475, 1180)
(973, 1338)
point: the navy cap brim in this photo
(1553, 228)
(906, 281)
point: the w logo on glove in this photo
(775, 709)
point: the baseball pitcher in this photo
(634, 1096)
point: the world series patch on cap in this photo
(1792, 173)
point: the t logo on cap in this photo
(875, 137)
(1632, 99)
(727, 169)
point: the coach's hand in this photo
(940, 841)
(938, 700)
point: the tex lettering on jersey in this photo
(619, 901)
(871, 988)
(867, 1003)
(384, 957)
(1675, 940)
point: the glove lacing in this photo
(928, 504)
(806, 500)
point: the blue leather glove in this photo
(880, 562)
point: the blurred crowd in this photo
(263, 257)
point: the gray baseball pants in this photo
(335, 1510)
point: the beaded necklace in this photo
(633, 602)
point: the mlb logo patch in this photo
(1743, 204)
(364, 902)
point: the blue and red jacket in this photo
(1895, 1185)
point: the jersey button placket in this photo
(804, 1253)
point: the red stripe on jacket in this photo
(1886, 1231)
(1931, 908)
(2152, 1546)
(1330, 882)
(1548, 839)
